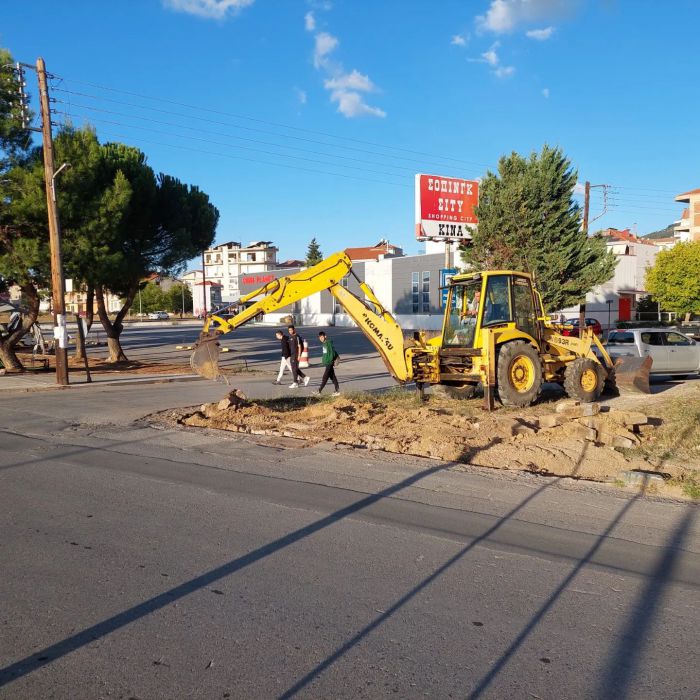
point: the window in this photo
(460, 322)
(425, 300)
(621, 338)
(652, 338)
(415, 291)
(497, 309)
(524, 307)
(337, 306)
(677, 339)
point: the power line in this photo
(269, 123)
(219, 133)
(254, 160)
(230, 145)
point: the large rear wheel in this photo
(518, 374)
(584, 379)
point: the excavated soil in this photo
(456, 431)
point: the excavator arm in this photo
(371, 317)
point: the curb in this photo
(121, 382)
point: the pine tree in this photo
(529, 221)
(313, 253)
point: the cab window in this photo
(497, 307)
(460, 321)
(677, 339)
(621, 338)
(523, 306)
(653, 338)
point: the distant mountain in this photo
(662, 233)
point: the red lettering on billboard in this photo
(447, 200)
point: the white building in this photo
(226, 262)
(616, 300)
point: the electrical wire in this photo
(250, 160)
(199, 108)
(219, 133)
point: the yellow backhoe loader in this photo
(495, 334)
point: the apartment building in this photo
(225, 263)
(688, 227)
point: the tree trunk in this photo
(90, 307)
(8, 354)
(113, 329)
(80, 351)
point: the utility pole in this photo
(586, 209)
(58, 287)
(204, 286)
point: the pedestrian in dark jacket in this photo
(328, 360)
(285, 361)
(296, 345)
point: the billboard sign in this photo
(445, 207)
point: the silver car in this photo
(672, 352)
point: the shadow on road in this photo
(407, 597)
(625, 656)
(45, 656)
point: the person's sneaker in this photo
(277, 383)
(294, 386)
(336, 393)
(306, 381)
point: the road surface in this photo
(141, 562)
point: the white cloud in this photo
(459, 40)
(579, 188)
(301, 95)
(325, 44)
(504, 16)
(504, 71)
(351, 104)
(309, 22)
(490, 57)
(350, 81)
(545, 93)
(345, 87)
(540, 34)
(209, 9)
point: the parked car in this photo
(571, 326)
(159, 316)
(672, 352)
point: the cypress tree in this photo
(529, 221)
(313, 253)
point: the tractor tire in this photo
(610, 383)
(584, 380)
(463, 393)
(518, 374)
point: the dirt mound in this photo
(577, 440)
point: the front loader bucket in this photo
(632, 374)
(204, 359)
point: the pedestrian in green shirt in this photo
(328, 360)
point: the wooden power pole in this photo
(586, 209)
(58, 287)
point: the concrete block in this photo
(567, 405)
(639, 479)
(630, 418)
(223, 404)
(620, 438)
(551, 420)
(581, 431)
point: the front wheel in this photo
(518, 374)
(584, 380)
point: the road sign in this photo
(446, 275)
(445, 207)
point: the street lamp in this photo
(609, 302)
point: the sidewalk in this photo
(46, 381)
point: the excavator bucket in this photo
(632, 374)
(204, 359)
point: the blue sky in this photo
(306, 118)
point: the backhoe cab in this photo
(495, 333)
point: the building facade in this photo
(225, 263)
(688, 227)
(616, 300)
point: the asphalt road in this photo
(141, 562)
